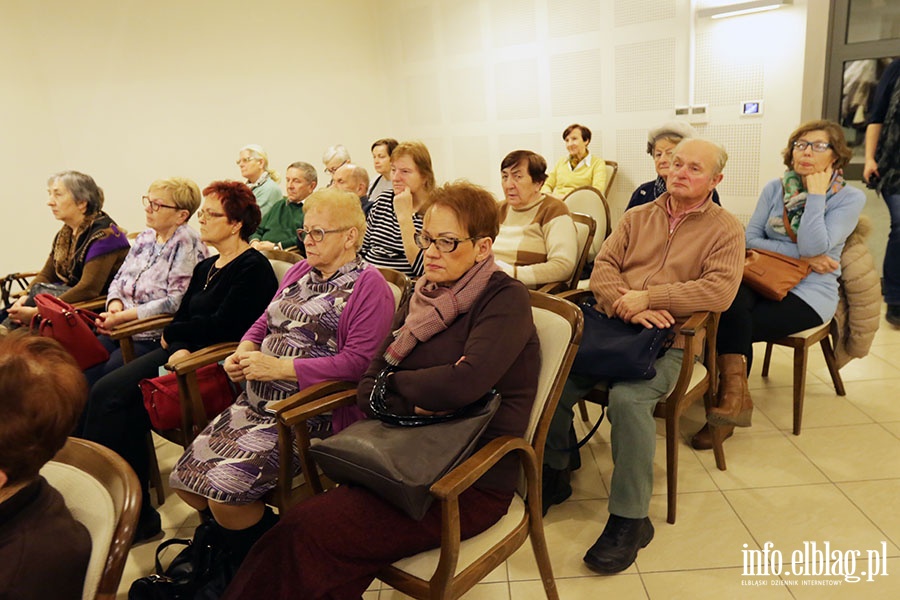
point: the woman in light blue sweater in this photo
(808, 213)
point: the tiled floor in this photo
(836, 483)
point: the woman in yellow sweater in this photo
(578, 169)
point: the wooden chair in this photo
(290, 489)
(801, 343)
(585, 229)
(14, 285)
(591, 201)
(697, 379)
(104, 494)
(455, 567)
(612, 167)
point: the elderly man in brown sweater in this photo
(667, 259)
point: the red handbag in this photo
(71, 327)
(164, 406)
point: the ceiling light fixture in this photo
(741, 8)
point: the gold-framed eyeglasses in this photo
(802, 145)
(155, 205)
(443, 244)
(317, 234)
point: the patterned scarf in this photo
(795, 199)
(72, 249)
(659, 187)
(435, 307)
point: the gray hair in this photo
(333, 152)
(256, 151)
(721, 155)
(309, 171)
(82, 187)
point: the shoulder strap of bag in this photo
(787, 224)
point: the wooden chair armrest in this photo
(696, 322)
(470, 470)
(94, 305)
(317, 390)
(140, 326)
(304, 412)
(553, 287)
(201, 358)
(575, 296)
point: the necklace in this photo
(213, 271)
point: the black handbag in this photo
(399, 457)
(612, 349)
(202, 562)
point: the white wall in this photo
(131, 91)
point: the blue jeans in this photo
(892, 254)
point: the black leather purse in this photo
(612, 349)
(399, 457)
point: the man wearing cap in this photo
(667, 259)
(278, 228)
(661, 141)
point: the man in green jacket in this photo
(279, 226)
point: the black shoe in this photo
(149, 525)
(555, 487)
(893, 314)
(618, 545)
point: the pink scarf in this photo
(434, 307)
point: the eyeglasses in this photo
(331, 170)
(443, 244)
(243, 160)
(801, 145)
(147, 202)
(208, 214)
(317, 234)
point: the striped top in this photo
(383, 245)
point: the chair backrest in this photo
(103, 493)
(400, 283)
(612, 167)
(585, 230)
(559, 324)
(591, 201)
(281, 261)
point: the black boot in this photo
(618, 545)
(555, 487)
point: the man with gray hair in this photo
(278, 228)
(334, 158)
(667, 259)
(353, 178)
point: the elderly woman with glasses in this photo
(157, 270)
(334, 158)
(807, 213)
(661, 143)
(226, 294)
(86, 253)
(325, 323)
(467, 329)
(261, 178)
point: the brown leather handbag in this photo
(773, 275)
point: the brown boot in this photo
(703, 439)
(734, 406)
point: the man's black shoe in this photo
(555, 487)
(618, 545)
(893, 314)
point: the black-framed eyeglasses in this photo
(156, 204)
(317, 234)
(331, 170)
(802, 145)
(443, 244)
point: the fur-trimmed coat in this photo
(859, 305)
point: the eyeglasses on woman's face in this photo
(317, 234)
(443, 244)
(802, 145)
(204, 214)
(155, 205)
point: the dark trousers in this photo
(753, 318)
(332, 545)
(115, 414)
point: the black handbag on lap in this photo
(399, 457)
(612, 349)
